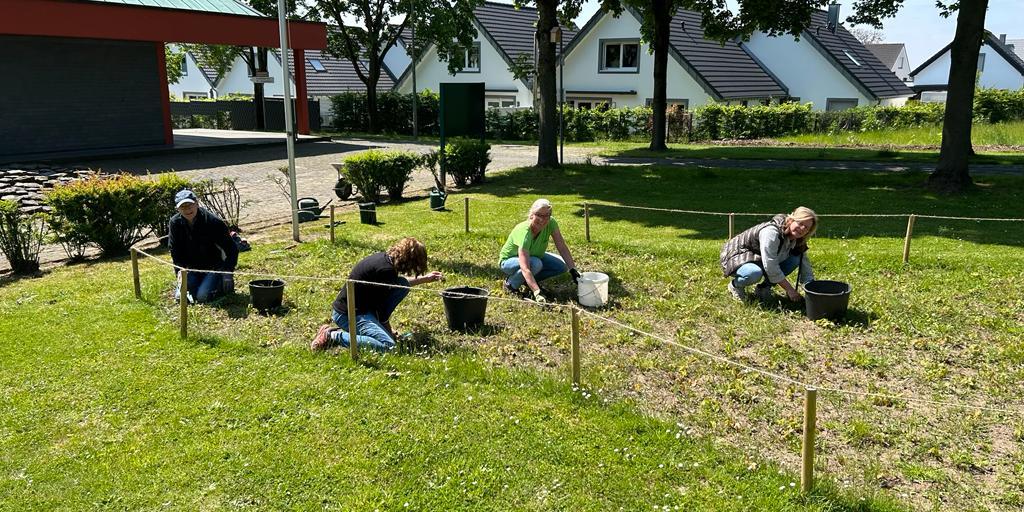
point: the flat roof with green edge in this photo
(217, 6)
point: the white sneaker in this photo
(737, 292)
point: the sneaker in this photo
(764, 293)
(509, 289)
(322, 338)
(737, 292)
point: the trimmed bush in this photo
(998, 105)
(372, 170)
(466, 161)
(112, 212)
(394, 110)
(21, 237)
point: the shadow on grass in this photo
(762, 193)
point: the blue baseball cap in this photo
(184, 196)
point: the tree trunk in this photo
(659, 9)
(371, 93)
(951, 174)
(547, 148)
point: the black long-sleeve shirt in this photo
(199, 245)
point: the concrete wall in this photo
(804, 70)
(63, 94)
(581, 69)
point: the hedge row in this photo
(709, 122)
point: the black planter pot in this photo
(465, 307)
(437, 199)
(368, 213)
(826, 299)
(266, 294)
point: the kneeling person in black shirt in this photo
(199, 240)
(374, 304)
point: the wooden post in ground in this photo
(732, 224)
(332, 224)
(586, 219)
(575, 347)
(183, 302)
(466, 200)
(906, 241)
(135, 274)
(810, 425)
(350, 297)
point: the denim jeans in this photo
(751, 273)
(545, 267)
(370, 332)
(202, 286)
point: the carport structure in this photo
(91, 74)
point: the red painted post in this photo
(301, 102)
(165, 94)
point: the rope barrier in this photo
(756, 214)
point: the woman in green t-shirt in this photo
(524, 257)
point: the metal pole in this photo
(575, 347)
(350, 298)
(466, 199)
(183, 302)
(586, 219)
(561, 102)
(332, 224)
(810, 421)
(135, 274)
(289, 126)
(906, 241)
(415, 96)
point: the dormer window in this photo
(471, 59)
(618, 56)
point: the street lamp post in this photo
(556, 36)
(289, 125)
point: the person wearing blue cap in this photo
(199, 240)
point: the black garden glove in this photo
(575, 275)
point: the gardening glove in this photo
(539, 297)
(575, 274)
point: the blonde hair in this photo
(539, 205)
(409, 256)
(803, 214)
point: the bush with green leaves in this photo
(21, 237)
(394, 112)
(109, 211)
(373, 170)
(998, 105)
(466, 160)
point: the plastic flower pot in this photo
(465, 307)
(266, 294)
(826, 299)
(368, 213)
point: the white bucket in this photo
(593, 289)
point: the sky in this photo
(918, 24)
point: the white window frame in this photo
(497, 101)
(465, 59)
(981, 62)
(184, 65)
(830, 102)
(602, 64)
(592, 102)
(317, 65)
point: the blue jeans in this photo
(751, 273)
(202, 286)
(543, 268)
(370, 332)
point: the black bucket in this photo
(465, 307)
(266, 293)
(827, 299)
(368, 213)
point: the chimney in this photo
(1002, 38)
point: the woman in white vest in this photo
(770, 251)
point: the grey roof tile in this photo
(338, 76)
(512, 29)
(870, 72)
(886, 52)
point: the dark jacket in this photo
(199, 245)
(746, 246)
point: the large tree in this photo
(550, 13)
(446, 24)
(779, 17)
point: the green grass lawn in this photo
(982, 134)
(106, 408)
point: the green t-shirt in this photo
(522, 237)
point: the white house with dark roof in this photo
(197, 81)
(503, 34)
(894, 56)
(999, 67)
(608, 63)
(831, 71)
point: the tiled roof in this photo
(854, 59)
(1011, 55)
(727, 68)
(512, 29)
(886, 52)
(217, 6)
(1018, 46)
(338, 76)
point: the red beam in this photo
(99, 20)
(165, 94)
(301, 103)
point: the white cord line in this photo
(339, 280)
(754, 214)
(783, 378)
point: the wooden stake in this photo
(466, 199)
(810, 422)
(586, 218)
(135, 274)
(906, 241)
(732, 223)
(332, 224)
(353, 347)
(575, 347)
(183, 302)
